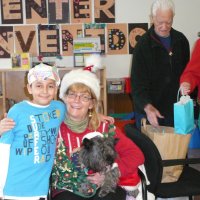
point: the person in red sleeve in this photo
(190, 78)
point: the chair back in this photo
(153, 161)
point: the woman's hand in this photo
(185, 88)
(96, 178)
(6, 124)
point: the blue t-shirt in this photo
(33, 143)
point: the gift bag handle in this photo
(178, 94)
(181, 95)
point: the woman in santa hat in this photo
(80, 90)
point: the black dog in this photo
(98, 154)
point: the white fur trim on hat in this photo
(92, 135)
(42, 72)
(80, 76)
(95, 61)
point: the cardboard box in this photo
(115, 85)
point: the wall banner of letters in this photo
(48, 27)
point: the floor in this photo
(194, 153)
(191, 154)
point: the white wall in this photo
(186, 20)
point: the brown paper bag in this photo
(170, 145)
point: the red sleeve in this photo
(129, 155)
(191, 73)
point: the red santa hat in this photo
(84, 75)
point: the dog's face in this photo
(98, 153)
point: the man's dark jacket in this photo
(156, 71)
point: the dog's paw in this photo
(106, 189)
(103, 193)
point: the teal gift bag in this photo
(184, 115)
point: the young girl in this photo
(31, 144)
(27, 151)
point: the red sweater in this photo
(129, 155)
(191, 73)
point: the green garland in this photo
(66, 176)
(111, 131)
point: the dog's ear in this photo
(111, 141)
(87, 143)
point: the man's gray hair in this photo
(162, 5)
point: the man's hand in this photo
(152, 114)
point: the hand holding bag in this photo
(183, 115)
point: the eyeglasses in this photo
(82, 97)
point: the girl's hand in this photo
(6, 124)
(104, 118)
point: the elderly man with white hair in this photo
(159, 59)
